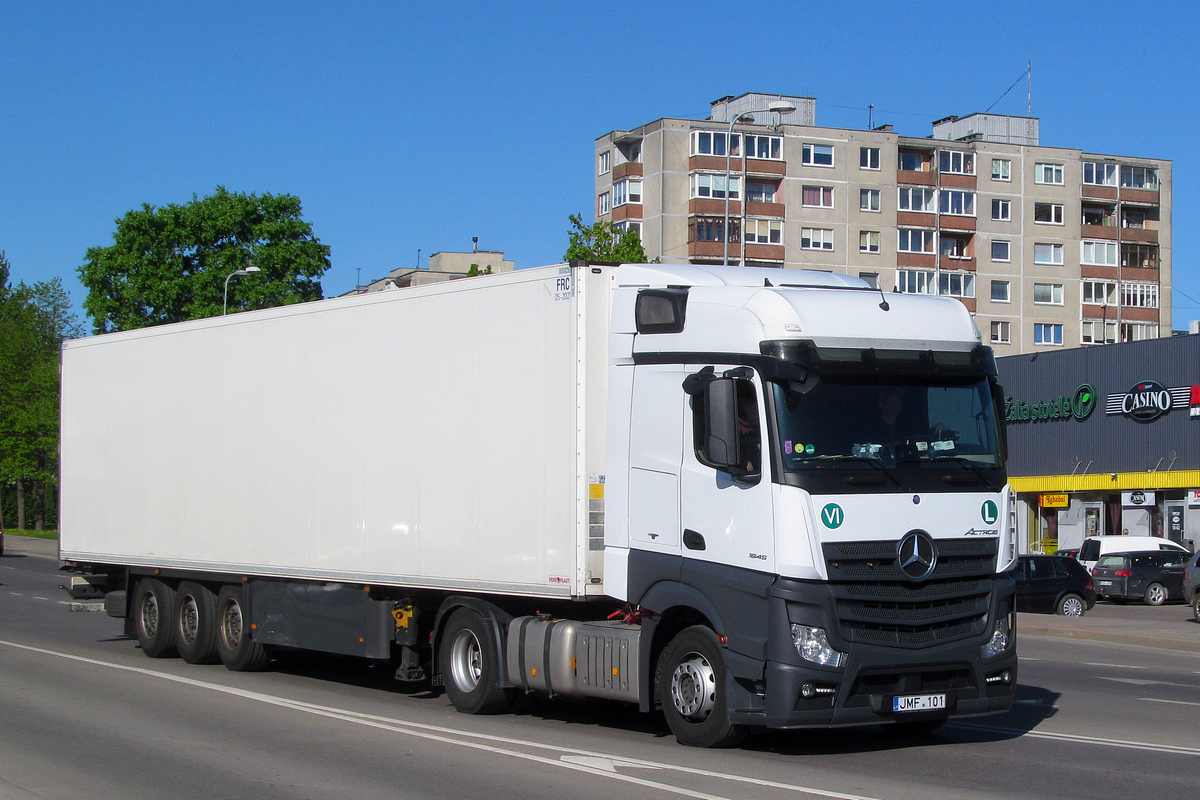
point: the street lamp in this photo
(778, 106)
(246, 271)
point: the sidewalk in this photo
(30, 546)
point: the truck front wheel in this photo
(153, 618)
(471, 668)
(692, 687)
(235, 648)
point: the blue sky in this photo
(411, 126)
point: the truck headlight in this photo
(1001, 637)
(813, 645)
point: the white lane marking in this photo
(1070, 737)
(1136, 682)
(1027, 658)
(606, 764)
(1114, 666)
(1173, 702)
(442, 734)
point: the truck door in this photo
(655, 453)
(726, 513)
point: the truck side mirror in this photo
(719, 402)
(720, 444)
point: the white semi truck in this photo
(752, 498)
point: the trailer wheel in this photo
(235, 648)
(195, 624)
(472, 670)
(153, 616)
(692, 687)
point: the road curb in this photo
(1181, 643)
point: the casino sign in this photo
(1149, 400)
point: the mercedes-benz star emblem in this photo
(917, 555)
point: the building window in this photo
(1048, 173)
(816, 239)
(1102, 254)
(1097, 173)
(868, 199)
(1139, 255)
(768, 148)
(629, 225)
(868, 241)
(712, 229)
(868, 158)
(960, 204)
(817, 155)
(911, 160)
(957, 162)
(1139, 295)
(764, 231)
(956, 284)
(1139, 177)
(1048, 213)
(603, 165)
(713, 185)
(1100, 293)
(761, 192)
(914, 281)
(1048, 294)
(1044, 333)
(912, 198)
(1048, 254)
(1137, 331)
(604, 203)
(1000, 251)
(817, 196)
(999, 333)
(954, 246)
(714, 143)
(627, 191)
(1002, 210)
(871, 278)
(915, 240)
(1097, 214)
(1000, 291)
(1134, 217)
(1001, 169)
(1094, 331)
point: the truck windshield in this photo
(909, 423)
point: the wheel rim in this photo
(466, 661)
(189, 620)
(149, 614)
(694, 688)
(231, 625)
(1157, 594)
(1073, 607)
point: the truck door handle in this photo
(692, 540)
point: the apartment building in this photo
(1048, 247)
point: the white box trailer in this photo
(470, 479)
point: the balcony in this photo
(952, 222)
(915, 219)
(759, 209)
(627, 211)
(958, 181)
(1143, 196)
(763, 252)
(1106, 231)
(626, 170)
(1142, 235)
(912, 176)
(758, 166)
(922, 260)
(711, 206)
(1099, 192)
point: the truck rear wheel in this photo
(692, 687)
(470, 665)
(235, 648)
(153, 618)
(195, 624)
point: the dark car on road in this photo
(1054, 585)
(1191, 584)
(1153, 577)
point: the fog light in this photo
(813, 645)
(808, 691)
(1004, 677)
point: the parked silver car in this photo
(1153, 577)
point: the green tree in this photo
(34, 321)
(604, 241)
(169, 264)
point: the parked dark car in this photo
(1054, 585)
(1153, 577)
(1191, 584)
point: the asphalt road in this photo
(84, 714)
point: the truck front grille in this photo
(876, 604)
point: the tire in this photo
(235, 648)
(1196, 606)
(1070, 605)
(470, 667)
(153, 618)
(195, 624)
(1156, 594)
(692, 687)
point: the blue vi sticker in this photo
(832, 515)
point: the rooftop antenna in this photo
(475, 243)
(870, 116)
(418, 258)
(1028, 74)
(358, 280)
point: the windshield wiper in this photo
(980, 474)
(873, 462)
